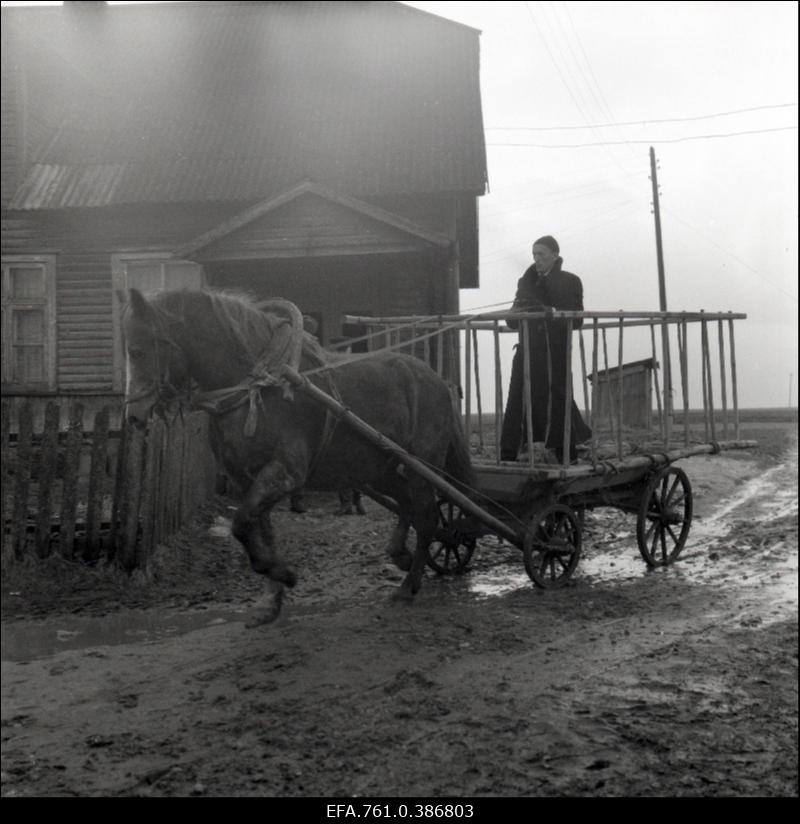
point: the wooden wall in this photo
(83, 241)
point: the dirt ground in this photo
(628, 682)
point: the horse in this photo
(212, 346)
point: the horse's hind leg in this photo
(424, 519)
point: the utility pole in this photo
(662, 301)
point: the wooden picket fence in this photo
(101, 493)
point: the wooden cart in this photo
(539, 507)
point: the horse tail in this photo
(458, 463)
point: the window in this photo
(151, 272)
(148, 272)
(29, 323)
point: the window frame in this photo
(47, 303)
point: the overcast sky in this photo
(674, 75)
(729, 204)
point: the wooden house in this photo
(331, 153)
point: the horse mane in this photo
(250, 328)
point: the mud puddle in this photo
(33, 641)
(611, 553)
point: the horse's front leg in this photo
(396, 549)
(252, 527)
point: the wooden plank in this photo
(527, 387)
(567, 429)
(620, 389)
(19, 523)
(187, 471)
(149, 500)
(586, 408)
(734, 389)
(722, 379)
(118, 494)
(97, 484)
(478, 403)
(171, 480)
(595, 393)
(498, 390)
(69, 491)
(177, 474)
(47, 473)
(467, 381)
(133, 485)
(7, 502)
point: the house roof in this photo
(243, 100)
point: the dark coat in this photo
(559, 290)
(562, 290)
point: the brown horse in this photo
(271, 440)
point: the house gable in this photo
(309, 221)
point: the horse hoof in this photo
(402, 596)
(261, 617)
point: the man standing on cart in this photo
(544, 285)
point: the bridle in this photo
(161, 389)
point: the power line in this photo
(649, 142)
(557, 66)
(637, 122)
(730, 254)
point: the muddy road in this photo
(628, 682)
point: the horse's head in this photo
(156, 364)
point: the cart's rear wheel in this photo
(665, 516)
(451, 549)
(552, 546)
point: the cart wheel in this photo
(552, 546)
(665, 516)
(451, 549)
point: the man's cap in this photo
(550, 242)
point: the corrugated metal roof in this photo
(237, 101)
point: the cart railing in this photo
(680, 389)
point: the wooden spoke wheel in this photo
(552, 546)
(451, 549)
(665, 516)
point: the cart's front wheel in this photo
(552, 546)
(665, 516)
(451, 549)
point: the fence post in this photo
(19, 524)
(149, 500)
(6, 470)
(118, 502)
(69, 489)
(97, 484)
(133, 488)
(47, 471)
